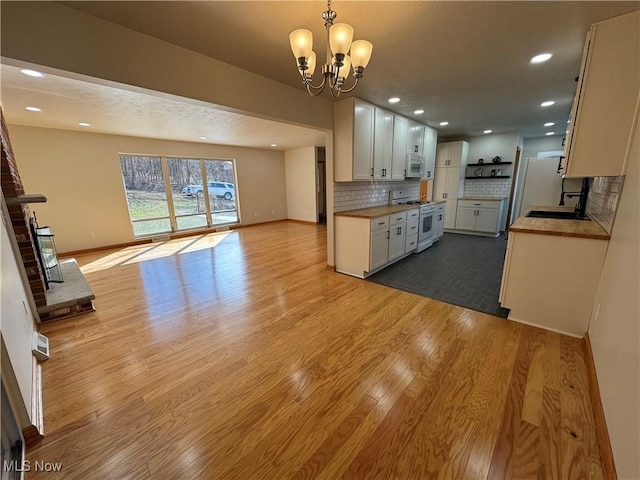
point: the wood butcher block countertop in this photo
(373, 212)
(563, 228)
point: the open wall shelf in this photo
(487, 164)
(487, 177)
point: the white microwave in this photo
(415, 166)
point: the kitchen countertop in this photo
(379, 211)
(483, 199)
(554, 226)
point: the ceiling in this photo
(462, 62)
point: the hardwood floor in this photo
(238, 355)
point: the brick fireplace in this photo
(20, 216)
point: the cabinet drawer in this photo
(411, 214)
(397, 218)
(379, 222)
(412, 226)
(411, 243)
(479, 204)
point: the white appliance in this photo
(542, 184)
(415, 166)
(426, 223)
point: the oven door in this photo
(427, 226)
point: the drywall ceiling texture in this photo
(465, 62)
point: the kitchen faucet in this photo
(581, 206)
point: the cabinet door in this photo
(443, 155)
(397, 238)
(440, 183)
(429, 152)
(415, 138)
(363, 123)
(453, 184)
(606, 103)
(487, 220)
(399, 158)
(466, 218)
(379, 248)
(459, 151)
(382, 144)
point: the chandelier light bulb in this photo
(346, 67)
(301, 43)
(361, 53)
(340, 37)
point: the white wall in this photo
(16, 326)
(615, 326)
(80, 175)
(300, 171)
(534, 145)
(488, 146)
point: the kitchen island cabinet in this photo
(480, 216)
(551, 272)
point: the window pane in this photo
(151, 227)
(146, 195)
(186, 185)
(222, 191)
(192, 221)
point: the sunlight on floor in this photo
(141, 253)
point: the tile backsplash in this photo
(490, 187)
(602, 203)
(354, 195)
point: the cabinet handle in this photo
(387, 234)
(560, 163)
(478, 204)
(405, 173)
(428, 173)
(372, 171)
(380, 223)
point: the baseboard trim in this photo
(73, 253)
(602, 434)
(331, 267)
(306, 222)
(537, 325)
(35, 432)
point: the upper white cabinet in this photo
(606, 100)
(353, 122)
(415, 138)
(452, 154)
(400, 135)
(382, 144)
(371, 143)
(429, 152)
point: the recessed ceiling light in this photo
(444, 124)
(543, 57)
(33, 109)
(487, 131)
(548, 103)
(274, 145)
(203, 138)
(30, 73)
(549, 124)
(394, 100)
(550, 133)
(84, 124)
(418, 112)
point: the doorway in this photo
(321, 186)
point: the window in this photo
(167, 194)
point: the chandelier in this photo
(339, 63)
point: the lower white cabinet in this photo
(365, 245)
(481, 216)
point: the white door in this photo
(382, 145)
(442, 155)
(466, 218)
(453, 182)
(396, 241)
(379, 248)
(363, 141)
(429, 152)
(487, 220)
(440, 183)
(415, 139)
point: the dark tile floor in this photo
(465, 270)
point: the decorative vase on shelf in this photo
(478, 172)
(496, 159)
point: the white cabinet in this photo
(550, 281)
(429, 152)
(448, 185)
(397, 235)
(382, 144)
(439, 218)
(379, 246)
(353, 140)
(606, 100)
(399, 161)
(415, 138)
(481, 216)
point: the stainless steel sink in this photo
(558, 215)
